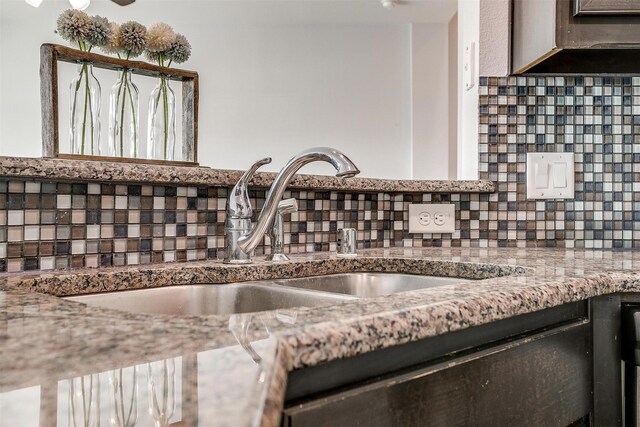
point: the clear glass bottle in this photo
(84, 401)
(124, 117)
(161, 129)
(84, 127)
(162, 391)
(124, 387)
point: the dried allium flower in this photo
(73, 25)
(99, 31)
(133, 38)
(180, 50)
(161, 37)
(113, 44)
(153, 56)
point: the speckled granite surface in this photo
(242, 360)
(60, 169)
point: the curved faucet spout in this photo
(344, 169)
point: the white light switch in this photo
(550, 175)
(542, 175)
(559, 170)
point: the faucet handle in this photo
(246, 177)
(239, 205)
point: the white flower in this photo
(73, 25)
(180, 50)
(161, 37)
(133, 38)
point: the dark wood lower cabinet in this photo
(544, 378)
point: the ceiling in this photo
(302, 11)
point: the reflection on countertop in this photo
(228, 385)
(62, 360)
(188, 390)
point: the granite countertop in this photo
(233, 369)
(79, 170)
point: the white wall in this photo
(290, 88)
(266, 88)
(495, 40)
(468, 33)
(486, 24)
(453, 91)
(429, 81)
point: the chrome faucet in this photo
(241, 236)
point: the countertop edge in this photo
(97, 171)
(91, 280)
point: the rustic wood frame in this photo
(50, 54)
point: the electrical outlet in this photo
(432, 218)
(424, 218)
(439, 218)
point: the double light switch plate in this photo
(550, 175)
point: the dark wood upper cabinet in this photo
(607, 7)
(575, 36)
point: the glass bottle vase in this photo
(124, 387)
(124, 117)
(162, 391)
(84, 401)
(161, 129)
(84, 127)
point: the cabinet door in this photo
(607, 7)
(544, 379)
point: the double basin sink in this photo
(247, 297)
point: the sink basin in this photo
(367, 285)
(197, 300)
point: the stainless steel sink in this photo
(197, 300)
(367, 285)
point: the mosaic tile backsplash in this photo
(598, 119)
(56, 225)
(60, 225)
(48, 225)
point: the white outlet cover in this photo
(446, 214)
